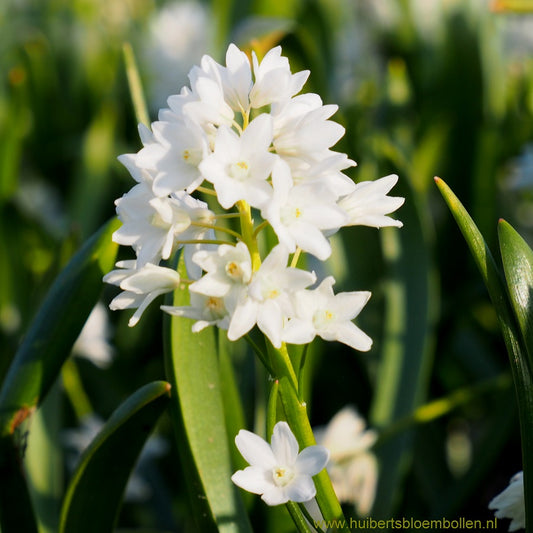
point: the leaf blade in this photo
(111, 456)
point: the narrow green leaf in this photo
(198, 416)
(93, 498)
(514, 342)
(54, 330)
(517, 259)
(135, 85)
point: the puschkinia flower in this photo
(268, 301)
(277, 471)
(243, 135)
(511, 503)
(369, 204)
(328, 315)
(353, 468)
(140, 286)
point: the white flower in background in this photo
(277, 471)
(78, 439)
(328, 315)
(93, 340)
(511, 504)
(369, 204)
(268, 300)
(140, 286)
(240, 165)
(178, 34)
(353, 468)
(206, 310)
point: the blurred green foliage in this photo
(443, 90)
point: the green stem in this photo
(260, 354)
(247, 230)
(235, 234)
(298, 518)
(272, 409)
(296, 413)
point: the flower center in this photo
(234, 271)
(282, 475)
(240, 170)
(322, 318)
(157, 221)
(192, 157)
(290, 213)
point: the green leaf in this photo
(198, 417)
(518, 356)
(517, 259)
(93, 498)
(54, 330)
(37, 363)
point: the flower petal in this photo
(284, 444)
(254, 479)
(302, 489)
(312, 460)
(255, 450)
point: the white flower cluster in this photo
(242, 133)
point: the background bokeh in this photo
(425, 88)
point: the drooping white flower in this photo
(228, 268)
(206, 310)
(268, 300)
(140, 286)
(93, 340)
(277, 471)
(240, 165)
(298, 214)
(353, 468)
(369, 204)
(328, 315)
(511, 504)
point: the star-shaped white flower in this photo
(228, 268)
(140, 286)
(240, 165)
(511, 503)
(369, 204)
(299, 214)
(277, 471)
(206, 310)
(328, 315)
(267, 301)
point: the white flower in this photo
(268, 300)
(320, 312)
(298, 214)
(302, 129)
(141, 286)
(206, 310)
(511, 504)
(369, 204)
(149, 224)
(178, 148)
(273, 79)
(227, 268)
(353, 467)
(240, 165)
(93, 340)
(277, 471)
